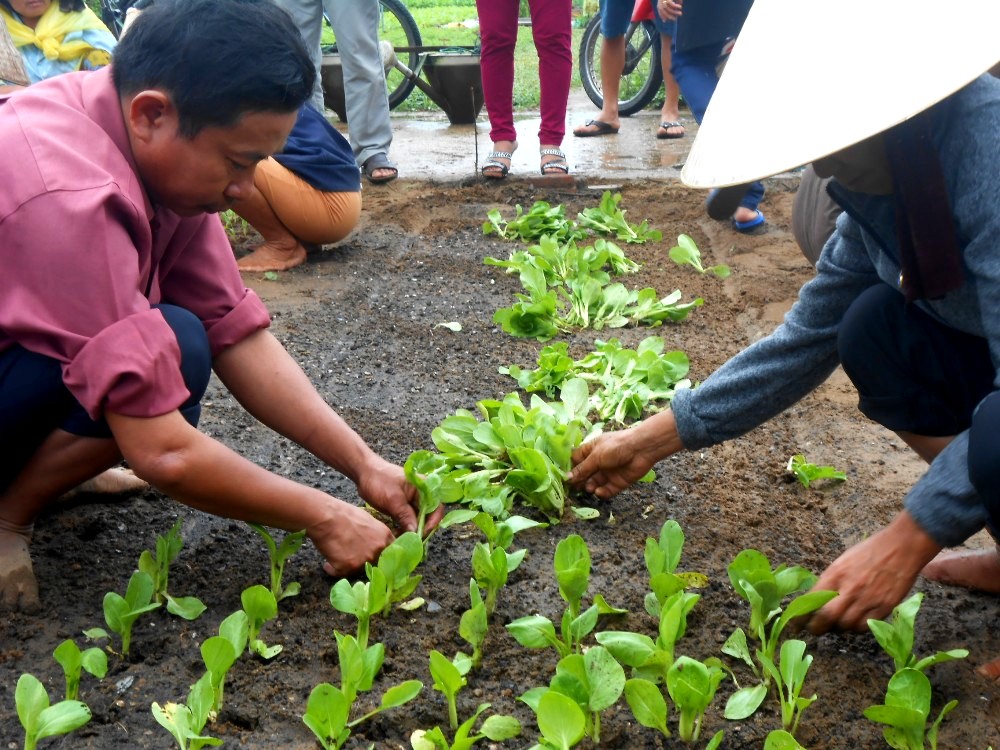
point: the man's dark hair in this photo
(217, 59)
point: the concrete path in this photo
(426, 146)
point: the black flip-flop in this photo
(379, 161)
(602, 128)
(665, 126)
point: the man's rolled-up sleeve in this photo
(144, 351)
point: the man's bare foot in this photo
(18, 589)
(110, 482)
(273, 257)
(990, 669)
(973, 569)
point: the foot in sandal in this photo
(553, 161)
(497, 164)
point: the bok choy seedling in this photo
(692, 685)
(808, 473)
(74, 662)
(449, 679)
(896, 637)
(608, 218)
(278, 553)
(509, 452)
(593, 680)
(186, 721)
(121, 612)
(572, 569)
(39, 718)
(662, 556)
(158, 568)
(765, 589)
(221, 651)
(328, 711)
(260, 607)
(686, 252)
(906, 711)
(496, 728)
(789, 676)
(541, 219)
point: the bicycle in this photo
(396, 25)
(642, 77)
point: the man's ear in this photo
(150, 113)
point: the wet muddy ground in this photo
(361, 318)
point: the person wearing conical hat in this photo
(907, 289)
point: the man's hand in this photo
(615, 460)
(383, 485)
(350, 538)
(873, 576)
(18, 589)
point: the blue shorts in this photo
(34, 401)
(616, 15)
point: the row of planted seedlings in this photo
(516, 455)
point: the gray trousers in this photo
(355, 22)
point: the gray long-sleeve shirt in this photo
(777, 371)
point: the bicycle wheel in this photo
(642, 77)
(396, 25)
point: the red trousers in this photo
(551, 30)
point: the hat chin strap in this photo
(928, 248)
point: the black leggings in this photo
(917, 375)
(34, 401)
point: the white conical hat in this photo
(809, 77)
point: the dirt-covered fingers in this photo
(350, 539)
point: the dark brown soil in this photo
(361, 319)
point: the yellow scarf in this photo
(52, 28)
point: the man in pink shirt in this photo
(120, 292)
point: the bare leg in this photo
(612, 65)
(670, 112)
(61, 463)
(281, 249)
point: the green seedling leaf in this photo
(474, 623)
(896, 637)
(808, 473)
(219, 655)
(586, 514)
(260, 606)
(686, 252)
(40, 719)
(779, 739)
(561, 721)
(448, 680)
(744, 702)
(279, 555)
(647, 704)
(692, 686)
(74, 662)
(907, 709)
(452, 326)
(326, 715)
(187, 721)
(120, 613)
